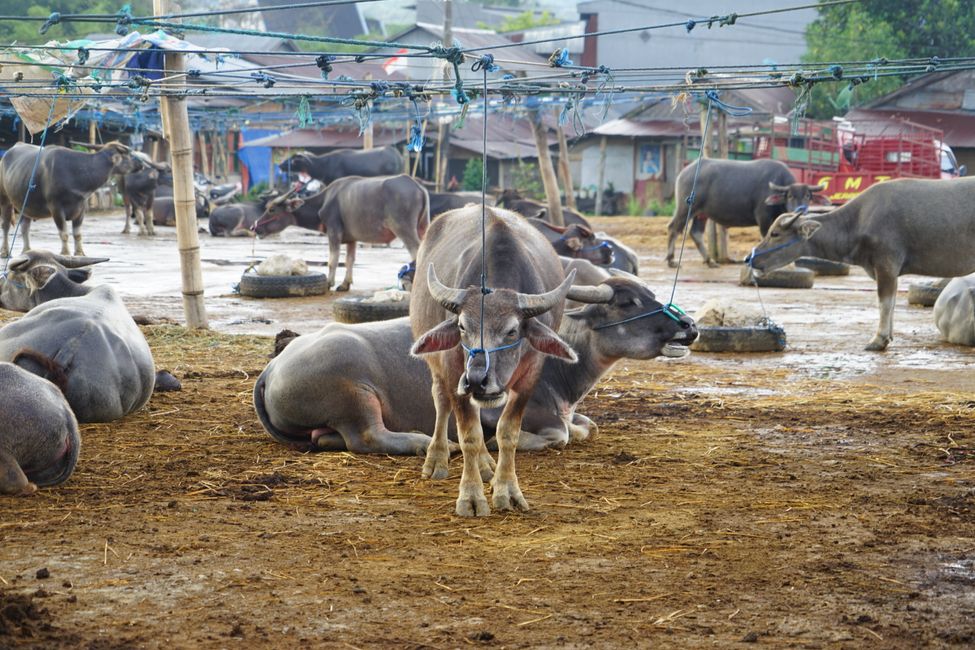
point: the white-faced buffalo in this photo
(93, 340)
(485, 350)
(64, 180)
(925, 227)
(575, 241)
(39, 276)
(733, 193)
(39, 440)
(383, 161)
(355, 387)
(353, 209)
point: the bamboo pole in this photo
(177, 122)
(367, 136)
(716, 234)
(601, 179)
(565, 170)
(549, 181)
(204, 159)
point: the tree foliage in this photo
(27, 32)
(894, 29)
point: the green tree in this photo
(28, 32)
(472, 175)
(894, 29)
(524, 20)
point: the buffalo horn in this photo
(449, 299)
(788, 219)
(819, 188)
(533, 304)
(778, 188)
(17, 262)
(76, 262)
(590, 294)
(620, 273)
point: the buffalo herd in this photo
(512, 319)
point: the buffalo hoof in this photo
(712, 264)
(472, 505)
(343, 287)
(435, 466)
(165, 382)
(878, 344)
(508, 496)
(671, 263)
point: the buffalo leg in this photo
(470, 500)
(129, 211)
(581, 428)
(366, 433)
(676, 226)
(697, 234)
(886, 293)
(334, 247)
(12, 477)
(25, 234)
(147, 217)
(438, 452)
(76, 231)
(349, 263)
(507, 493)
(6, 215)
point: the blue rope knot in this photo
(473, 352)
(416, 139)
(486, 62)
(836, 71)
(324, 63)
(63, 83)
(138, 81)
(51, 21)
(379, 87)
(83, 55)
(193, 73)
(730, 19)
(690, 198)
(560, 58)
(735, 111)
(406, 269)
(124, 20)
(933, 63)
(263, 78)
(452, 54)
(690, 25)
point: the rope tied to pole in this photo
(124, 20)
(52, 20)
(560, 58)
(324, 63)
(734, 111)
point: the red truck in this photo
(850, 157)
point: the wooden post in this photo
(565, 170)
(716, 235)
(367, 135)
(546, 170)
(601, 178)
(204, 159)
(181, 146)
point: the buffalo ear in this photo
(78, 275)
(294, 204)
(775, 199)
(444, 336)
(40, 276)
(116, 158)
(545, 340)
(809, 227)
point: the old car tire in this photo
(283, 286)
(784, 278)
(925, 294)
(357, 309)
(770, 338)
(823, 267)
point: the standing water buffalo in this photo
(926, 227)
(485, 350)
(359, 382)
(91, 339)
(39, 439)
(734, 193)
(64, 180)
(354, 209)
(138, 191)
(384, 161)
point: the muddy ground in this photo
(820, 497)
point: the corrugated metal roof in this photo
(327, 138)
(643, 128)
(958, 127)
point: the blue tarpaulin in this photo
(258, 159)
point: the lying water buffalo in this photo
(894, 228)
(39, 439)
(441, 202)
(94, 342)
(954, 311)
(574, 241)
(238, 219)
(354, 209)
(355, 387)
(485, 350)
(164, 212)
(734, 193)
(39, 276)
(64, 180)
(383, 161)
(513, 200)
